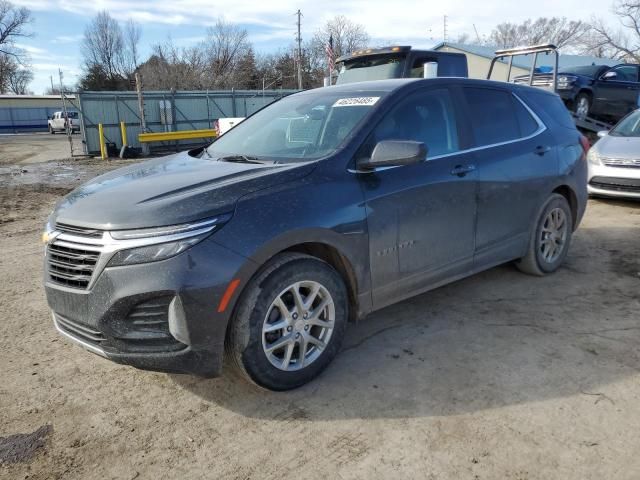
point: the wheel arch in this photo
(322, 244)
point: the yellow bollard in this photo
(103, 147)
(123, 132)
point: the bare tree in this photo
(131, 39)
(110, 53)
(557, 30)
(19, 80)
(13, 26)
(346, 34)
(622, 43)
(103, 46)
(225, 45)
(170, 67)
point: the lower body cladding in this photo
(159, 316)
(621, 182)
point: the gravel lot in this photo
(29, 148)
(499, 376)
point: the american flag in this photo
(330, 55)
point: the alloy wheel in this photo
(553, 235)
(298, 325)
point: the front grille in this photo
(80, 331)
(72, 267)
(78, 231)
(538, 81)
(616, 184)
(621, 162)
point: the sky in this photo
(59, 24)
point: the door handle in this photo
(462, 170)
(542, 149)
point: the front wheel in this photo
(289, 323)
(550, 240)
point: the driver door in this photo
(421, 217)
(617, 96)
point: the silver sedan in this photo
(614, 161)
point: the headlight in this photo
(154, 244)
(593, 157)
(153, 253)
(566, 82)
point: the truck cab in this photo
(398, 62)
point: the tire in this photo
(247, 343)
(51, 131)
(582, 105)
(548, 245)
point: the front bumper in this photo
(159, 316)
(614, 181)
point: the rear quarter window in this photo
(548, 106)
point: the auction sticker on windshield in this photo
(356, 101)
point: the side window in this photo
(426, 117)
(626, 73)
(493, 115)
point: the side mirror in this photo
(603, 133)
(610, 76)
(393, 153)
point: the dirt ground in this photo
(27, 148)
(499, 376)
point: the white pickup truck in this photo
(58, 123)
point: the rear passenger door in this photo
(516, 162)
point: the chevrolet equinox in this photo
(315, 211)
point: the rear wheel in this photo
(51, 131)
(551, 237)
(582, 105)
(289, 323)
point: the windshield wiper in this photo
(241, 159)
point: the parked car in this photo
(316, 210)
(614, 161)
(398, 62)
(598, 91)
(58, 122)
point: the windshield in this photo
(628, 126)
(297, 128)
(380, 67)
(588, 71)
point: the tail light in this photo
(586, 145)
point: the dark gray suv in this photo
(320, 208)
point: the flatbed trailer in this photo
(587, 125)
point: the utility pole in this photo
(52, 89)
(299, 39)
(445, 29)
(66, 114)
(143, 122)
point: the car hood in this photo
(619, 147)
(169, 191)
